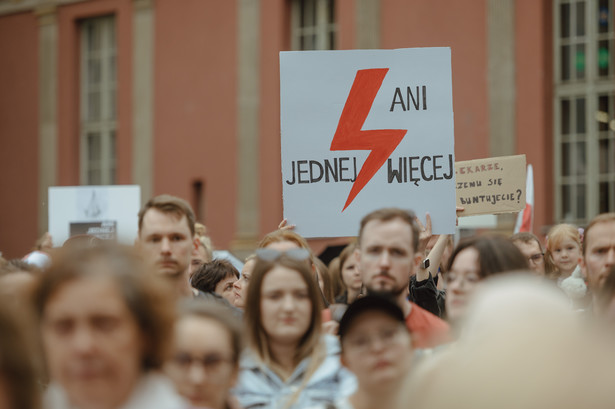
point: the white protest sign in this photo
(107, 212)
(366, 129)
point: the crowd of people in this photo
(401, 318)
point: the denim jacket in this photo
(259, 387)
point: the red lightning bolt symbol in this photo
(349, 136)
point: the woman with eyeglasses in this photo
(288, 362)
(205, 359)
(473, 260)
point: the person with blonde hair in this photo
(564, 249)
(350, 275)
(564, 253)
(289, 363)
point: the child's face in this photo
(566, 255)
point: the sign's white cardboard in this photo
(107, 212)
(366, 129)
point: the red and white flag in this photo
(525, 218)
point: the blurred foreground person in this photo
(288, 363)
(377, 348)
(105, 325)
(473, 260)
(205, 359)
(18, 363)
(521, 350)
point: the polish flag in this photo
(525, 218)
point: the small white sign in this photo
(107, 212)
(366, 129)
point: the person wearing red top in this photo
(387, 255)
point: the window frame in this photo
(321, 30)
(105, 125)
(590, 88)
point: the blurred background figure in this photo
(473, 260)
(205, 361)
(203, 252)
(520, 350)
(325, 282)
(16, 280)
(288, 363)
(40, 254)
(44, 243)
(336, 277)
(350, 275)
(530, 247)
(216, 277)
(105, 325)
(240, 287)
(19, 366)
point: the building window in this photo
(98, 101)
(313, 25)
(584, 109)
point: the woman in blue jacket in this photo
(289, 363)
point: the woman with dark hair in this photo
(289, 363)
(473, 260)
(105, 325)
(218, 277)
(206, 349)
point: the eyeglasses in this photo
(212, 363)
(267, 254)
(536, 258)
(385, 337)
